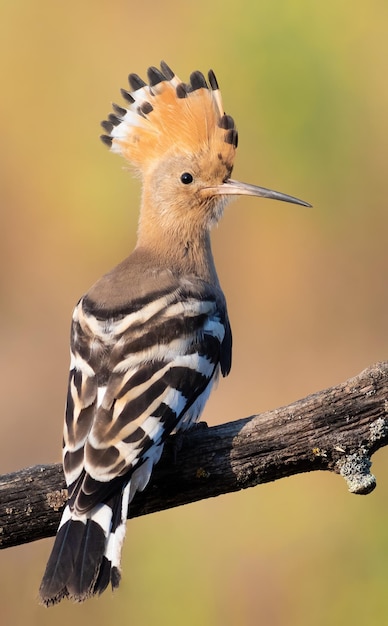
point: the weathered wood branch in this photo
(337, 429)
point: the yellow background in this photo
(307, 288)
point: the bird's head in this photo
(179, 138)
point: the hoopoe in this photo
(150, 338)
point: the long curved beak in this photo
(235, 188)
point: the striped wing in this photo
(136, 376)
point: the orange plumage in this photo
(168, 117)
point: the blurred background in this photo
(307, 288)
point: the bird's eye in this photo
(187, 178)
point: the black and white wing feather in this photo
(139, 371)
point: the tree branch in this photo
(337, 429)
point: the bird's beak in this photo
(235, 188)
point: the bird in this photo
(152, 336)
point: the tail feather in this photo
(105, 576)
(61, 564)
(88, 564)
(86, 553)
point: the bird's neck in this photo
(182, 247)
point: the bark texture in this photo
(337, 429)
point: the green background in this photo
(307, 288)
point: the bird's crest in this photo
(169, 116)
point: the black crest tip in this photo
(155, 76)
(106, 140)
(127, 96)
(120, 111)
(226, 122)
(212, 80)
(114, 119)
(146, 107)
(182, 90)
(197, 81)
(231, 136)
(136, 82)
(107, 126)
(167, 71)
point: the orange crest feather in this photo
(168, 116)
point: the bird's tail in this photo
(87, 551)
